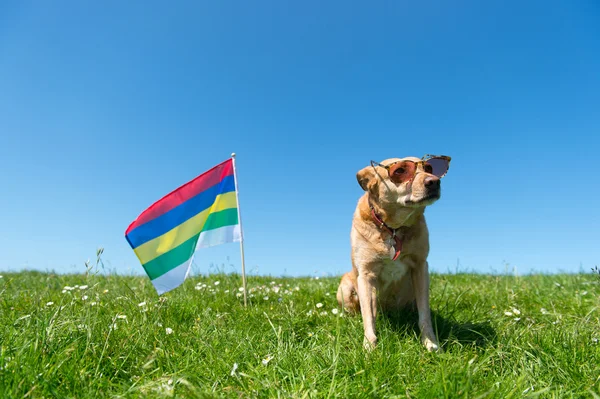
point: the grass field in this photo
(78, 336)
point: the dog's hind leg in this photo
(347, 296)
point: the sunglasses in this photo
(403, 171)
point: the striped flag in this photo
(201, 213)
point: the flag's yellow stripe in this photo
(178, 235)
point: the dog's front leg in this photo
(420, 280)
(367, 295)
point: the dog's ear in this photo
(366, 178)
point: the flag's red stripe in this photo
(184, 193)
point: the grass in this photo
(80, 336)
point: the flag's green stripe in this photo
(170, 260)
(226, 217)
(175, 257)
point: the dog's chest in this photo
(392, 271)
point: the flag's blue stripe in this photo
(176, 216)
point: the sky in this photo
(107, 106)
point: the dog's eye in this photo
(399, 171)
(428, 168)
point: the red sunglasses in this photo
(403, 171)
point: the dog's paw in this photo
(369, 343)
(431, 346)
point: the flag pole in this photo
(241, 230)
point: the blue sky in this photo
(107, 106)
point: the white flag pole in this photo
(241, 229)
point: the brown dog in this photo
(390, 242)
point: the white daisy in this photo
(266, 360)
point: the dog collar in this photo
(397, 240)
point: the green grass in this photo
(56, 344)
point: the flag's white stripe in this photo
(219, 236)
(173, 278)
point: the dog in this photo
(390, 242)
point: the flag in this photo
(201, 213)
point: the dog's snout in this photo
(432, 182)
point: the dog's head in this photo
(407, 182)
